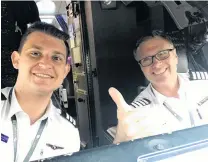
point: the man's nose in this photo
(156, 62)
(45, 62)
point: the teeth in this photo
(159, 72)
(43, 75)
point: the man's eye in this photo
(35, 54)
(57, 58)
(163, 54)
(147, 59)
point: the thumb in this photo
(118, 99)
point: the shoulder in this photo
(4, 97)
(65, 123)
(184, 76)
(66, 126)
(199, 86)
(144, 99)
(192, 83)
(5, 93)
(63, 118)
(199, 83)
(61, 114)
(197, 90)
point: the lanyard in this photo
(178, 117)
(35, 142)
(37, 137)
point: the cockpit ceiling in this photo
(49, 8)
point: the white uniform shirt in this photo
(58, 133)
(191, 107)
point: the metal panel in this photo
(80, 70)
(83, 121)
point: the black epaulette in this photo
(3, 98)
(141, 102)
(62, 112)
(66, 116)
(198, 75)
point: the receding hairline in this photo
(148, 38)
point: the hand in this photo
(131, 122)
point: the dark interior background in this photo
(112, 37)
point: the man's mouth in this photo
(159, 72)
(42, 75)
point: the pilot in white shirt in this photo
(31, 126)
(167, 114)
(59, 136)
(170, 102)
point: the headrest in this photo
(182, 60)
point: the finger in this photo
(118, 99)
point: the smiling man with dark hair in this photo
(31, 126)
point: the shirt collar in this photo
(183, 81)
(161, 98)
(49, 111)
(14, 105)
(16, 108)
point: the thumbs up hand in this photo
(132, 122)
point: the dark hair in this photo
(47, 29)
(153, 34)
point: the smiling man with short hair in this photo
(31, 126)
(170, 102)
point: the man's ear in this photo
(15, 59)
(67, 70)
